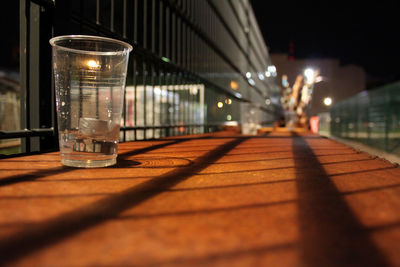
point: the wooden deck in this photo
(277, 199)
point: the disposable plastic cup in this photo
(89, 76)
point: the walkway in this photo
(278, 199)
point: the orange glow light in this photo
(234, 85)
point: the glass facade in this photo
(371, 117)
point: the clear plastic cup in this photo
(89, 75)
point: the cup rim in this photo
(53, 41)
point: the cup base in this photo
(89, 163)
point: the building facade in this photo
(196, 64)
(334, 81)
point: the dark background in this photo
(365, 34)
(9, 32)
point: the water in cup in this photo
(89, 74)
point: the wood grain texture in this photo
(279, 198)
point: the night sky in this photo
(364, 34)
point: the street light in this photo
(271, 70)
(309, 73)
(327, 101)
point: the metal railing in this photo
(188, 56)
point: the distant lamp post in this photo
(327, 101)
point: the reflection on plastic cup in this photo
(89, 74)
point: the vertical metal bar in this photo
(172, 100)
(34, 72)
(189, 49)
(169, 99)
(196, 46)
(124, 19)
(153, 70)
(187, 107)
(201, 104)
(173, 37)
(144, 72)
(168, 117)
(24, 69)
(145, 23)
(168, 73)
(167, 33)
(387, 120)
(195, 52)
(191, 8)
(124, 106)
(135, 19)
(54, 122)
(178, 41)
(190, 38)
(160, 33)
(153, 116)
(174, 73)
(161, 79)
(190, 109)
(247, 33)
(144, 75)
(161, 68)
(184, 100)
(183, 110)
(208, 57)
(184, 46)
(183, 87)
(135, 74)
(186, 39)
(124, 115)
(135, 37)
(173, 87)
(188, 88)
(153, 26)
(180, 104)
(178, 86)
(98, 12)
(197, 110)
(112, 16)
(180, 117)
(368, 120)
(81, 14)
(191, 105)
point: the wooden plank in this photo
(280, 199)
